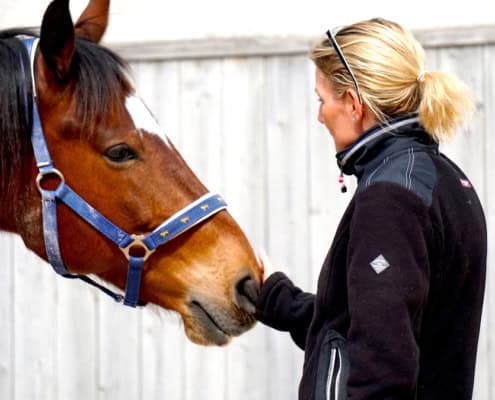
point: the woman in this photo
(397, 310)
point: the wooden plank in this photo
(163, 336)
(7, 301)
(283, 150)
(273, 46)
(464, 149)
(119, 349)
(485, 369)
(200, 119)
(162, 358)
(157, 83)
(76, 339)
(196, 49)
(489, 203)
(296, 146)
(244, 183)
(199, 143)
(243, 139)
(456, 36)
(35, 327)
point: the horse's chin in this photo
(207, 337)
(209, 324)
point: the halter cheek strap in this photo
(197, 212)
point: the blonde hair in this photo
(388, 63)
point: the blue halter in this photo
(195, 213)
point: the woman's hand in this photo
(265, 264)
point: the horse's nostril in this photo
(246, 294)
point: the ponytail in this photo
(445, 104)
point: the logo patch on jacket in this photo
(379, 264)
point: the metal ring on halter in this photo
(138, 242)
(41, 176)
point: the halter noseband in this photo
(193, 214)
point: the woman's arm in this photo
(388, 280)
(281, 305)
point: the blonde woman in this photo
(397, 311)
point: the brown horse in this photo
(106, 147)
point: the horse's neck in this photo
(24, 220)
(7, 221)
(17, 216)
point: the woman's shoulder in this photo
(407, 171)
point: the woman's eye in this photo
(120, 153)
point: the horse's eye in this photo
(120, 153)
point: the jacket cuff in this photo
(269, 289)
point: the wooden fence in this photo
(243, 114)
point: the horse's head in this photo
(110, 151)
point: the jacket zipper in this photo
(333, 378)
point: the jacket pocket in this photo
(333, 368)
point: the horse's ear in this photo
(57, 38)
(93, 22)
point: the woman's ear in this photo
(354, 105)
(361, 115)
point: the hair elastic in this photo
(421, 76)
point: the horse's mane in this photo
(100, 79)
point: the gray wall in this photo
(243, 114)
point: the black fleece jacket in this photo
(398, 306)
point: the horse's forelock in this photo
(101, 81)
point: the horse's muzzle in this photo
(246, 293)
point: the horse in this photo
(92, 186)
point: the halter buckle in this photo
(43, 175)
(137, 245)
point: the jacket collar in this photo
(382, 140)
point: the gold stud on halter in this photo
(205, 207)
(185, 220)
(164, 233)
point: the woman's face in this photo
(337, 114)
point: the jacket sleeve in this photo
(388, 281)
(285, 307)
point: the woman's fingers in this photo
(265, 263)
